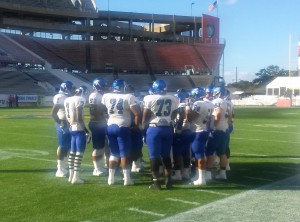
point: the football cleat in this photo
(137, 166)
(60, 173)
(186, 174)
(111, 180)
(221, 175)
(98, 173)
(177, 175)
(200, 181)
(128, 182)
(208, 176)
(77, 180)
(168, 182)
(155, 185)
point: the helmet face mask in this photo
(82, 91)
(119, 86)
(99, 84)
(159, 87)
(219, 92)
(66, 88)
(198, 93)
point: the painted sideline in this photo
(275, 202)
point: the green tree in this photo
(266, 75)
(242, 85)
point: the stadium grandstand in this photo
(44, 42)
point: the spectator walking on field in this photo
(10, 100)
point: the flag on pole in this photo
(213, 6)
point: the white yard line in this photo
(277, 173)
(53, 161)
(182, 201)
(276, 141)
(275, 202)
(146, 212)
(257, 178)
(267, 131)
(249, 154)
(27, 134)
(214, 192)
(289, 168)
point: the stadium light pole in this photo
(192, 8)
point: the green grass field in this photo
(264, 149)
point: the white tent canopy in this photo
(280, 85)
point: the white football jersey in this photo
(71, 106)
(95, 98)
(202, 121)
(118, 108)
(181, 111)
(161, 107)
(222, 104)
(230, 107)
(59, 99)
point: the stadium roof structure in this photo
(82, 8)
(83, 18)
(292, 82)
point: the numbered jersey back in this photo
(118, 108)
(162, 107)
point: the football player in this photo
(62, 129)
(209, 93)
(200, 119)
(217, 141)
(136, 134)
(97, 125)
(74, 107)
(119, 106)
(230, 126)
(159, 111)
(182, 140)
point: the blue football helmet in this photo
(82, 91)
(198, 93)
(99, 84)
(209, 89)
(181, 96)
(129, 88)
(219, 92)
(119, 85)
(159, 87)
(66, 88)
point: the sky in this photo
(258, 33)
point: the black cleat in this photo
(155, 186)
(168, 183)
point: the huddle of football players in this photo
(176, 129)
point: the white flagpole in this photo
(290, 40)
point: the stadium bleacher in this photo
(128, 51)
